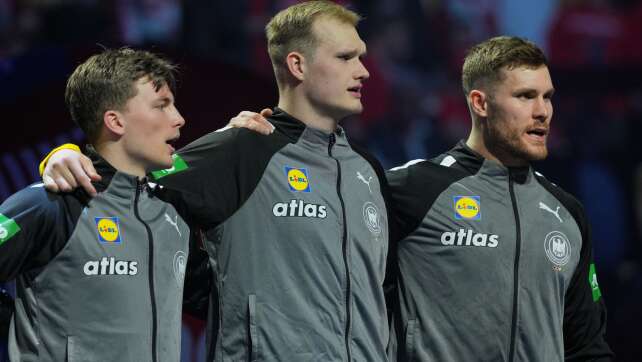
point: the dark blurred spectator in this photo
(216, 29)
(150, 21)
(582, 31)
(627, 47)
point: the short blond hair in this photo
(291, 29)
(484, 62)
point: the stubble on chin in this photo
(508, 145)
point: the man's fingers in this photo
(251, 124)
(62, 183)
(259, 124)
(252, 121)
(266, 112)
(89, 169)
(63, 177)
(78, 170)
(50, 184)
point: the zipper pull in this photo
(141, 184)
(332, 141)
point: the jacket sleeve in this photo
(584, 309)
(198, 280)
(32, 229)
(215, 174)
(6, 311)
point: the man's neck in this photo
(302, 110)
(477, 143)
(115, 156)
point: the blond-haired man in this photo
(295, 222)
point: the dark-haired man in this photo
(101, 279)
(496, 261)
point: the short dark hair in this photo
(484, 61)
(106, 81)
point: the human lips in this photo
(171, 142)
(537, 134)
(355, 91)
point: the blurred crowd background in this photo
(414, 106)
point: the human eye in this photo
(163, 104)
(525, 95)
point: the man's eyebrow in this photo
(352, 53)
(163, 100)
(349, 53)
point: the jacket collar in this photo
(472, 162)
(297, 131)
(115, 182)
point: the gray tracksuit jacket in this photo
(495, 264)
(297, 233)
(97, 280)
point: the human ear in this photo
(114, 122)
(478, 101)
(295, 62)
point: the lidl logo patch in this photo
(8, 228)
(178, 165)
(108, 230)
(595, 288)
(298, 180)
(467, 207)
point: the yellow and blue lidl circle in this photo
(298, 180)
(467, 207)
(108, 230)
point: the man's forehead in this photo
(337, 33)
(527, 76)
(147, 84)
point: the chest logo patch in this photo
(467, 207)
(371, 218)
(180, 261)
(298, 179)
(558, 248)
(108, 230)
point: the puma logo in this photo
(545, 207)
(173, 223)
(367, 182)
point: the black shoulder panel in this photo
(46, 222)
(414, 190)
(223, 169)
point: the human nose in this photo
(362, 71)
(179, 121)
(542, 109)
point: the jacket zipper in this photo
(518, 247)
(150, 238)
(345, 248)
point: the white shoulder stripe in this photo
(223, 129)
(541, 175)
(407, 164)
(37, 185)
(448, 161)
